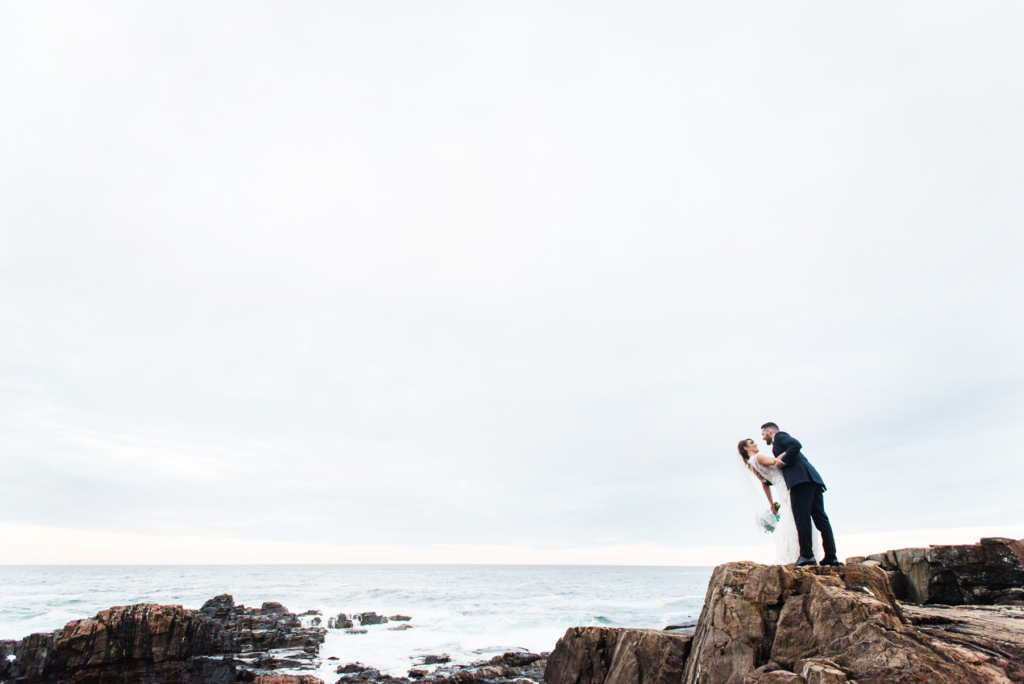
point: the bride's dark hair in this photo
(743, 449)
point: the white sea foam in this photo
(468, 612)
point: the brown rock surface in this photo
(602, 655)
(128, 643)
(996, 630)
(219, 644)
(823, 625)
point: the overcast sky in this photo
(448, 278)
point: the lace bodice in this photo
(770, 473)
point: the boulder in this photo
(603, 655)
(399, 618)
(990, 572)
(371, 619)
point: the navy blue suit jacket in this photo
(797, 469)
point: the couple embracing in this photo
(798, 500)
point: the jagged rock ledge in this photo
(990, 572)
(775, 624)
(221, 643)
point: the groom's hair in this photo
(770, 426)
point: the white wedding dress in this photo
(787, 543)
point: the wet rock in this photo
(400, 628)
(371, 619)
(355, 631)
(399, 618)
(315, 622)
(435, 659)
(509, 668)
(267, 628)
(515, 659)
(415, 673)
(287, 679)
(603, 655)
(352, 668)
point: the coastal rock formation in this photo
(219, 644)
(990, 572)
(603, 655)
(508, 668)
(142, 642)
(827, 625)
(270, 627)
(769, 624)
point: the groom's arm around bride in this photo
(806, 494)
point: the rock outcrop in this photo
(219, 644)
(604, 655)
(142, 642)
(813, 623)
(770, 624)
(990, 572)
(270, 627)
(509, 668)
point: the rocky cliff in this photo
(161, 645)
(786, 625)
(990, 572)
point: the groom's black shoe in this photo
(801, 561)
(830, 561)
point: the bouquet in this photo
(769, 519)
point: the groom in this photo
(805, 495)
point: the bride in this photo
(765, 469)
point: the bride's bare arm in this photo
(769, 461)
(766, 487)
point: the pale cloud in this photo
(506, 276)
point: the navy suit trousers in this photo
(808, 502)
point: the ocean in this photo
(469, 612)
